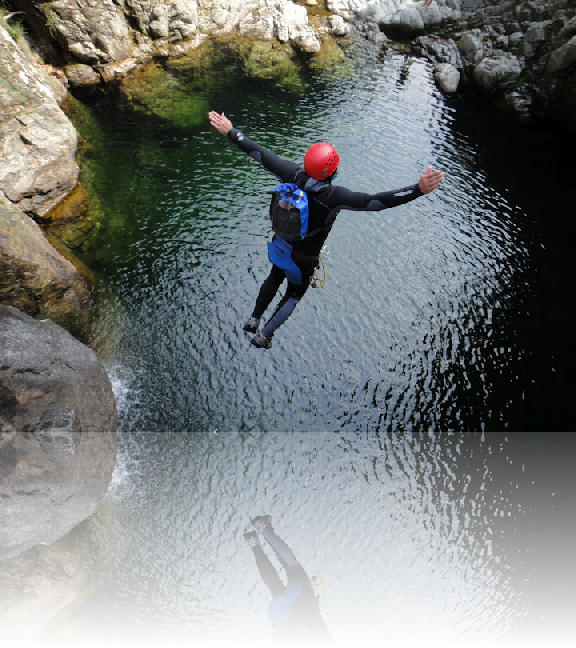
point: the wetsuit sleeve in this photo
(342, 198)
(281, 168)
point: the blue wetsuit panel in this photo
(280, 254)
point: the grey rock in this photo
(160, 27)
(496, 73)
(406, 23)
(337, 26)
(440, 51)
(536, 35)
(57, 432)
(562, 58)
(93, 31)
(471, 46)
(515, 39)
(520, 103)
(568, 30)
(81, 75)
(447, 77)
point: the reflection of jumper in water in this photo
(294, 610)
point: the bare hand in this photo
(430, 180)
(220, 122)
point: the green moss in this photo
(158, 93)
(16, 30)
(75, 323)
(242, 58)
(272, 61)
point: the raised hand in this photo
(430, 180)
(220, 122)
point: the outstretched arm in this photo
(345, 199)
(281, 168)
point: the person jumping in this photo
(296, 261)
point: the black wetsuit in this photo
(324, 204)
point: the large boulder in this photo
(563, 58)
(283, 21)
(498, 72)
(57, 432)
(37, 140)
(35, 278)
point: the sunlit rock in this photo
(81, 75)
(94, 31)
(447, 77)
(37, 140)
(35, 278)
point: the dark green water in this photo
(450, 313)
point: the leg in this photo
(292, 297)
(288, 303)
(268, 290)
(268, 572)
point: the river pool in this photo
(450, 314)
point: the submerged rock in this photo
(57, 432)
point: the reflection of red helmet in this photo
(321, 161)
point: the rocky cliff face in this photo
(520, 53)
(110, 38)
(99, 40)
(38, 142)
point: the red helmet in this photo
(321, 161)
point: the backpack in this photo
(289, 212)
